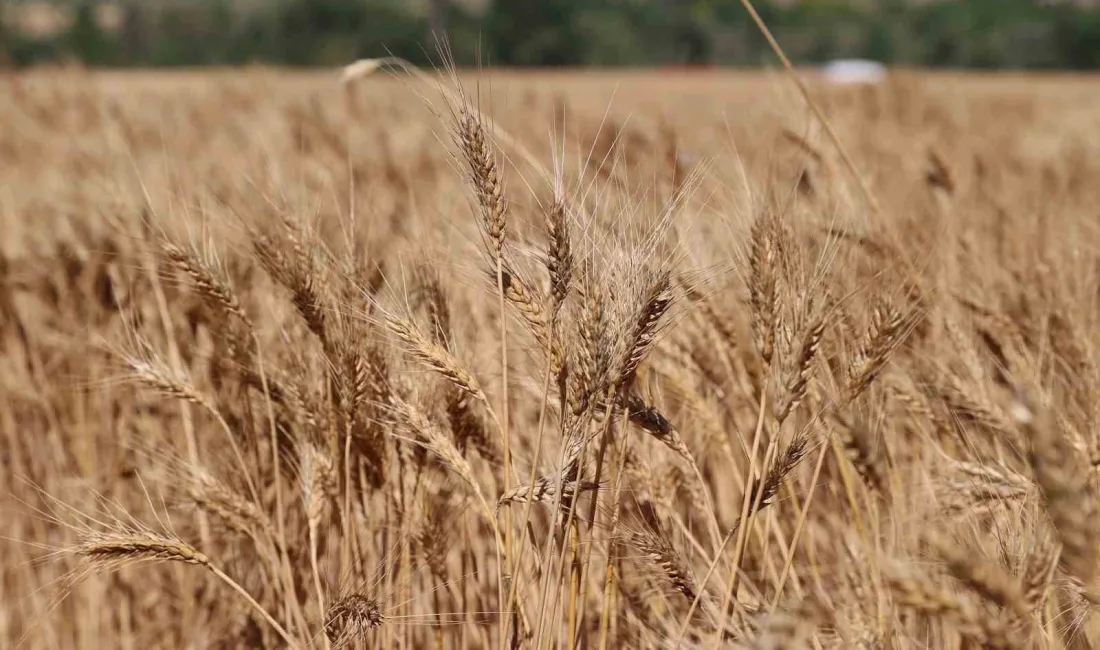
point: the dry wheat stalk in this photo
(1039, 572)
(428, 435)
(971, 407)
(789, 628)
(1063, 478)
(429, 291)
(113, 549)
(966, 619)
(862, 447)
(939, 175)
(433, 537)
(318, 481)
(157, 375)
(985, 482)
(236, 511)
(432, 438)
(988, 580)
(467, 427)
(999, 474)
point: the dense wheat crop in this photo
(547, 361)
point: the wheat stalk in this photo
(114, 549)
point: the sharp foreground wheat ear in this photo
(209, 284)
(434, 356)
(108, 548)
(351, 618)
(651, 541)
(559, 257)
(485, 178)
(655, 304)
(768, 249)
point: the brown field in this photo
(285, 363)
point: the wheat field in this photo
(548, 360)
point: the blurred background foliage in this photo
(938, 33)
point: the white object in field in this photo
(854, 71)
(359, 69)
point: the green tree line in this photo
(941, 33)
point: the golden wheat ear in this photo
(115, 549)
(351, 619)
(1063, 478)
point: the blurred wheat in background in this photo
(548, 361)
